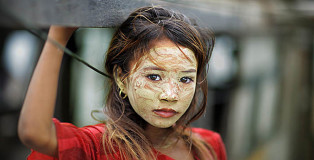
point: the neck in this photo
(159, 136)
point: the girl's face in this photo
(162, 87)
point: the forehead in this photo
(166, 54)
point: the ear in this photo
(118, 77)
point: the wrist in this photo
(61, 34)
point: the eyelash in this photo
(153, 77)
(156, 77)
(187, 79)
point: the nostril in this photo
(166, 100)
(169, 100)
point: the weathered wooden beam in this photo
(84, 13)
(226, 16)
(99, 13)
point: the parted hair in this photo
(124, 128)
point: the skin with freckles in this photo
(161, 86)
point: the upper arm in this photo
(74, 143)
(221, 150)
(214, 140)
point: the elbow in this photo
(30, 136)
(26, 136)
(37, 139)
(26, 139)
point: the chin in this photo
(162, 125)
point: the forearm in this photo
(36, 128)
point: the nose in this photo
(170, 92)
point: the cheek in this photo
(142, 94)
(143, 89)
(187, 92)
(186, 97)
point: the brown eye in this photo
(154, 77)
(186, 80)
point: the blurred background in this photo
(260, 75)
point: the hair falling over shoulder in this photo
(124, 136)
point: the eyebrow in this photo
(154, 68)
(189, 71)
(161, 69)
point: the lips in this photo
(165, 112)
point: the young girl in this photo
(157, 60)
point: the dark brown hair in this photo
(124, 128)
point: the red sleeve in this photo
(214, 140)
(75, 143)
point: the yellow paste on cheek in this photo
(146, 95)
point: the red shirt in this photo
(86, 143)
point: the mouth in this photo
(165, 112)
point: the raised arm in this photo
(36, 129)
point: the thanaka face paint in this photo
(161, 87)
